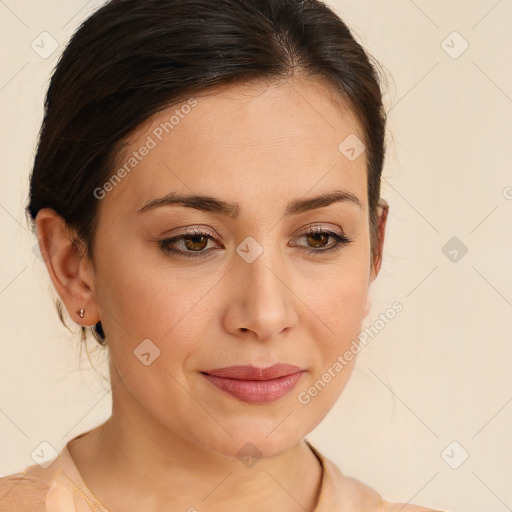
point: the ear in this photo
(382, 217)
(70, 269)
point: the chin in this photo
(255, 438)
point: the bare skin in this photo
(173, 438)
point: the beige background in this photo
(440, 371)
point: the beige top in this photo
(60, 488)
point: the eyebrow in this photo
(233, 210)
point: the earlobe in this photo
(70, 275)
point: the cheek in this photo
(157, 318)
(336, 325)
(142, 299)
(337, 304)
(337, 295)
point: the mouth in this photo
(255, 385)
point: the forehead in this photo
(242, 140)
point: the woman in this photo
(206, 194)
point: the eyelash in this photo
(340, 242)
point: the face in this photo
(265, 277)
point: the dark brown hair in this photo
(133, 58)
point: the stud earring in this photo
(81, 313)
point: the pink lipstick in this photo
(255, 385)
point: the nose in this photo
(261, 300)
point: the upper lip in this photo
(254, 373)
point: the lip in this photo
(255, 385)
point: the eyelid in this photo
(190, 231)
(319, 227)
(204, 230)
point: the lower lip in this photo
(256, 391)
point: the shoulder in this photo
(364, 497)
(26, 490)
(343, 493)
(368, 498)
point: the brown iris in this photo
(196, 242)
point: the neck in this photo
(153, 469)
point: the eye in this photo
(317, 237)
(194, 242)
